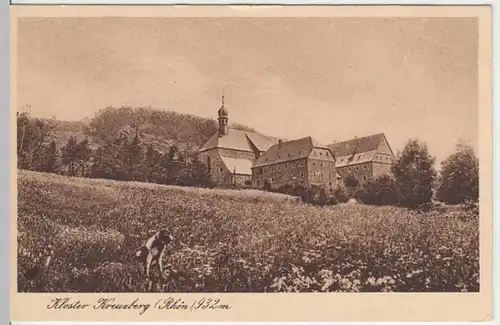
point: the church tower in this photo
(223, 120)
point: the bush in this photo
(459, 178)
(316, 195)
(352, 185)
(379, 191)
(414, 174)
(341, 194)
(286, 189)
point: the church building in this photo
(230, 153)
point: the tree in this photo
(32, 135)
(45, 159)
(381, 190)
(152, 165)
(459, 177)
(351, 184)
(134, 159)
(70, 155)
(83, 154)
(173, 165)
(341, 193)
(51, 158)
(106, 163)
(194, 173)
(414, 174)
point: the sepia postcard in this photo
(251, 163)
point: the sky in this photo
(330, 78)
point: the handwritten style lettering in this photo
(66, 303)
(108, 303)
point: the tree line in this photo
(122, 154)
(124, 157)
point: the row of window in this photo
(279, 167)
(287, 177)
(350, 169)
(321, 175)
(360, 156)
(293, 176)
(287, 166)
(383, 158)
(327, 154)
(331, 165)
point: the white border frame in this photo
(5, 131)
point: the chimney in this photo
(280, 142)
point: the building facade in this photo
(303, 161)
(230, 153)
(363, 158)
(236, 157)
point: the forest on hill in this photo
(141, 144)
(161, 129)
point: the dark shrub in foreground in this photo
(414, 174)
(379, 191)
(459, 179)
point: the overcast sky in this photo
(332, 78)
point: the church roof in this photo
(262, 142)
(289, 150)
(239, 140)
(240, 166)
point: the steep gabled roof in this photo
(239, 140)
(358, 150)
(289, 150)
(261, 142)
(240, 166)
(357, 145)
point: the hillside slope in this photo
(161, 129)
(232, 241)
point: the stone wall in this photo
(380, 168)
(277, 175)
(362, 171)
(321, 172)
(218, 171)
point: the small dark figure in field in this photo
(153, 250)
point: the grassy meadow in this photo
(233, 241)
